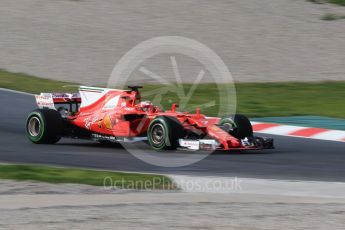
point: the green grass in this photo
(292, 99)
(81, 176)
(274, 99)
(203, 95)
(254, 99)
(338, 2)
(332, 17)
(31, 84)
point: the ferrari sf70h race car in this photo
(113, 115)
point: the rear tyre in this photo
(44, 126)
(238, 126)
(164, 132)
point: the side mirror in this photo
(173, 107)
(134, 88)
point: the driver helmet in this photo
(145, 104)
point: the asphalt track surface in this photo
(293, 158)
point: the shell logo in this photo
(108, 123)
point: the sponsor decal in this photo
(108, 122)
(190, 144)
(208, 144)
(205, 122)
(45, 100)
(96, 136)
(129, 109)
(89, 121)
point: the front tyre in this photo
(44, 126)
(238, 126)
(164, 132)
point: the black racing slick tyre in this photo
(44, 126)
(238, 126)
(164, 132)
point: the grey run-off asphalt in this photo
(259, 41)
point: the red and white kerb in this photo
(298, 131)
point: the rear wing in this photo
(49, 100)
(87, 96)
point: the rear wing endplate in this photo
(48, 100)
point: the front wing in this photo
(253, 143)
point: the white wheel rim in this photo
(34, 126)
(158, 134)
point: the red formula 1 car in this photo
(112, 115)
